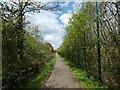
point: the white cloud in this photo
(50, 29)
(65, 18)
(48, 38)
(54, 39)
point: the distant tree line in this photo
(80, 42)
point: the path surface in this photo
(61, 76)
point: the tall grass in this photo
(87, 82)
(39, 79)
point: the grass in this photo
(40, 78)
(82, 76)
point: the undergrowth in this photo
(39, 79)
(82, 76)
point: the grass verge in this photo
(82, 76)
(39, 79)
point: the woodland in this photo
(92, 41)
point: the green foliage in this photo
(35, 55)
(80, 42)
(85, 80)
(37, 82)
(24, 53)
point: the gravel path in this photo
(61, 76)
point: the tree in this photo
(21, 49)
(80, 42)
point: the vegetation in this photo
(36, 55)
(80, 44)
(85, 80)
(38, 81)
(24, 54)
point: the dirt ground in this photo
(61, 77)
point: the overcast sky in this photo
(51, 23)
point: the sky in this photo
(52, 23)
